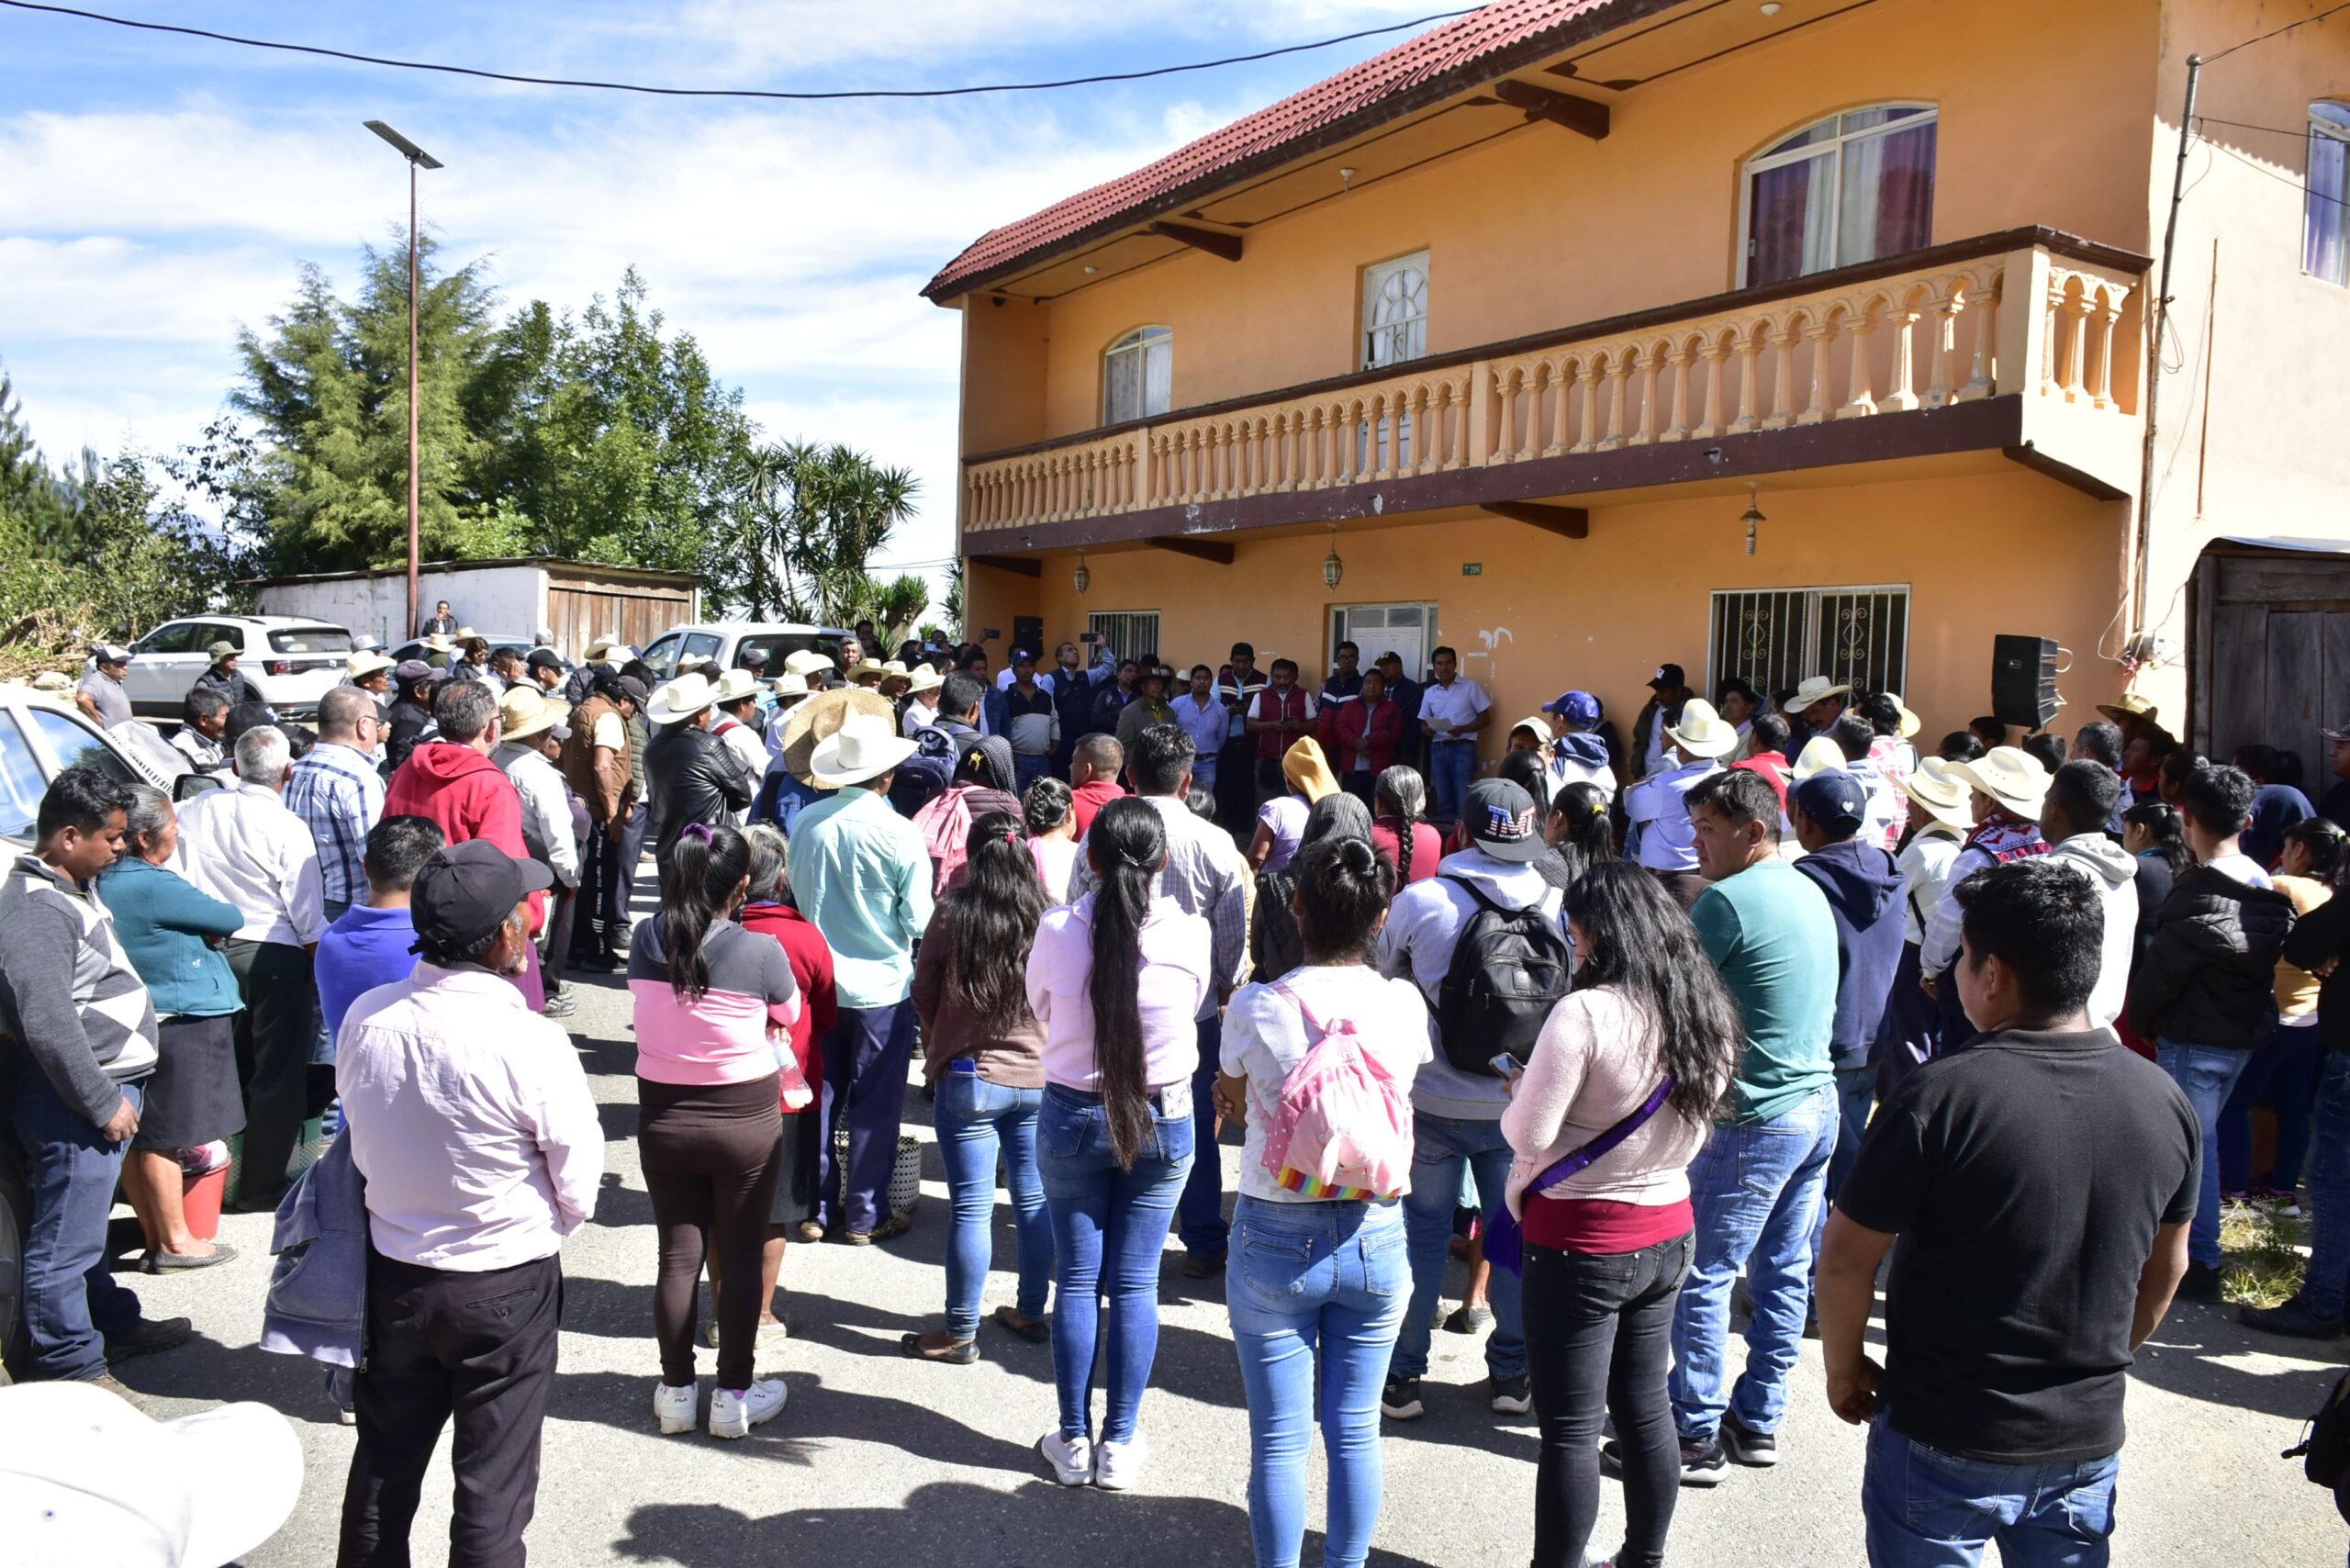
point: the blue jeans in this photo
(1441, 1146)
(1305, 1278)
(975, 1118)
(2327, 1284)
(1926, 1508)
(71, 1299)
(1109, 1229)
(2206, 1073)
(1855, 1095)
(1199, 1216)
(1451, 765)
(866, 1057)
(1027, 769)
(1755, 1193)
(2281, 1074)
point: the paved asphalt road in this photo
(883, 1462)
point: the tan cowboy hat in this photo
(818, 720)
(681, 698)
(1939, 793)
(600, 646)
(864, 748)
(733, 686)
(893, 666)
(525, 711)
(1815, 689)
(1307, 771)
(1702, 731)
(870, 667)
(2133, 708)
(358, 666)
(791, 685)
(1819, 756)
(1910, 723)
(924, 678)
(467, 635)
(2009, 775)
(807, 662)
(438, 644)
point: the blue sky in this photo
(158, 192)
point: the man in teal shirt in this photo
(1755, 1188)
(861, 874)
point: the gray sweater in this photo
(77, 1009)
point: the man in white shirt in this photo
(243, 845)
(1453, 710)
(471, 1122)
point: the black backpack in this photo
(2324, 1448)
(1508, 970)
(926, 776)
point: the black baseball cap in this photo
(1503, 821)
(466, 891)
(545, 658)
(1833, 799)
(634, 689)
(1667, 677)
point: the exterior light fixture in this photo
(1332, 567)
(1770, 8)
(1346, 179)
(1753, 515)
(1084, 580)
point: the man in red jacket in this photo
(451, 783)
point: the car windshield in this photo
(309, 640)
(779, 645)
(20, 783)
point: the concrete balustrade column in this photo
(1860, 397)
(1982, 370)
(1783, 389)
(1645, 359)
(1749, 375)
(1587, 377)
(1714, 353)
(1619, 371)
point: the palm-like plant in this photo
(818, 515)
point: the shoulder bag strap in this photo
(1607, 1142)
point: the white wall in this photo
(506, 600)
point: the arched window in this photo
(1848, 189)
(1395, 310)
(1138, 375)
(2325, 245)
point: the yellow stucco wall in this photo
(1982, 554)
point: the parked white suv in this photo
(725, 641)
(292, 661)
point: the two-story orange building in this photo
(1770, 338)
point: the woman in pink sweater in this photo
(1645, 1043)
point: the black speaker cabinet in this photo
(1028, 632)
(2023, 680)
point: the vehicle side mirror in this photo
(190, 785)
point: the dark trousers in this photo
(480, 1347)
(1200, 1224)
(866, 1057)
(556, 949)
(1598, 1338)
(71, 1299)
(274, 1035)
(711, 1170)
(615, 881)
(1236, 786)
(587, 920)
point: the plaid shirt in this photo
(339, 796)
(1205, 876)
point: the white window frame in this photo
(1116, 622)
(1374, 280)
(1762, 162)
(1343, 629)
(1897, 664)
(2336, 129)
(1138, 342)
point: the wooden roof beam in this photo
(1198, 549)
(1019, 565)
(1581, 116)
(1216, 245)
(1567, 522)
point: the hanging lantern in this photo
(1084, 578)
(1753, 515)
(1332, 567)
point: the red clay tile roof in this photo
(1436, 63)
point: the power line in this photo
(719, 92)
(2259, 168)
(2239, 125)
(2305, 21)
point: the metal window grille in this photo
(1128, 633)
(1774, 637)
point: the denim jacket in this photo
(318, 1290)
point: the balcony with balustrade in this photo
(2024, 346)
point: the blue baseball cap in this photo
(1833, 799)
(1580, 709)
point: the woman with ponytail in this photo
(1579, 834)
(715, 1009)
(1399, 831)
(983, 1058)
(1318, 1280)
(1117, 979)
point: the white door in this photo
(164, 665)
(1377, 630)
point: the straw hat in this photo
(1815, 689)
(361, 665)
(1702, 731)
(1818, 755)
(438, 644)
(924, 678)
(863, 747)
(1910, 723)
(525, 711)
(1307, 771)
(791, 685)
(806, 662)
(609, 643)
(1939, 793)
(2132, 709)
(2009, 775)
(818, 720)
(681, 698)
(735, 686)
(467, 635)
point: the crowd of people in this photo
(1764, 993)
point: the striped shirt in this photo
(82, 1013)
(340, 797)
(737, 1032)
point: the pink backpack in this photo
(1342, 1125)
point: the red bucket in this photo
(200, 1197)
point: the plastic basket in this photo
(905, 1177)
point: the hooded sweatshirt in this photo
(1577, 758)
(2113, 871)
(464, 793)
(2209, 973)
(1864, 890)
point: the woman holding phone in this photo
(1633, 1062)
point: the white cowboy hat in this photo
(525, 711)
(1815, 689)
(361, 665)
(1818, 755)
(863, 747)
(1939, 793)
(600, 646)
(1910, 723)
(439, 643)
(733, 686)
(870, 667)
(807, 662)
(1702, 731)
(810, 723)
(924, 678)
(681, 698)
(893, 666)
(791, 684)
(2009, 775)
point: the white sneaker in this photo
(674, 1407)
(732, 1415)
(1117, 1466)
(1072, 1458)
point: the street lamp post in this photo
(417, 158)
